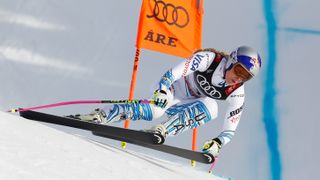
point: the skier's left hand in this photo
(212, 146)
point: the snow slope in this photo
(32, 150)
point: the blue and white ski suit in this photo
(194, 86)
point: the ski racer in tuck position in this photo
(188, 92)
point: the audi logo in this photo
(207, 88)
(170, 14)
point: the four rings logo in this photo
(207, 88)
(170, 14)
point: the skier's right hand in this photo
(160, 98)
(212, 146)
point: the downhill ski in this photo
(184, 153)
(141, 138)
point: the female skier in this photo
(188, 92)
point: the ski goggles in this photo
(241, 72)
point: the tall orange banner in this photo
(171, 26)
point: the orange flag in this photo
(171, 26)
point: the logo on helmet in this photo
(255, 65)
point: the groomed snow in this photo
(33, 150)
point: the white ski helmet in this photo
(248, 58)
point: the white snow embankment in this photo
(32, 150)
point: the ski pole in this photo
(144, 101)
(213, 165)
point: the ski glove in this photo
(160, 98)
(212, 146)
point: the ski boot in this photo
(158, 129)
(98, 116)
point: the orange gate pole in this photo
(132, 87)
(194, 144)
